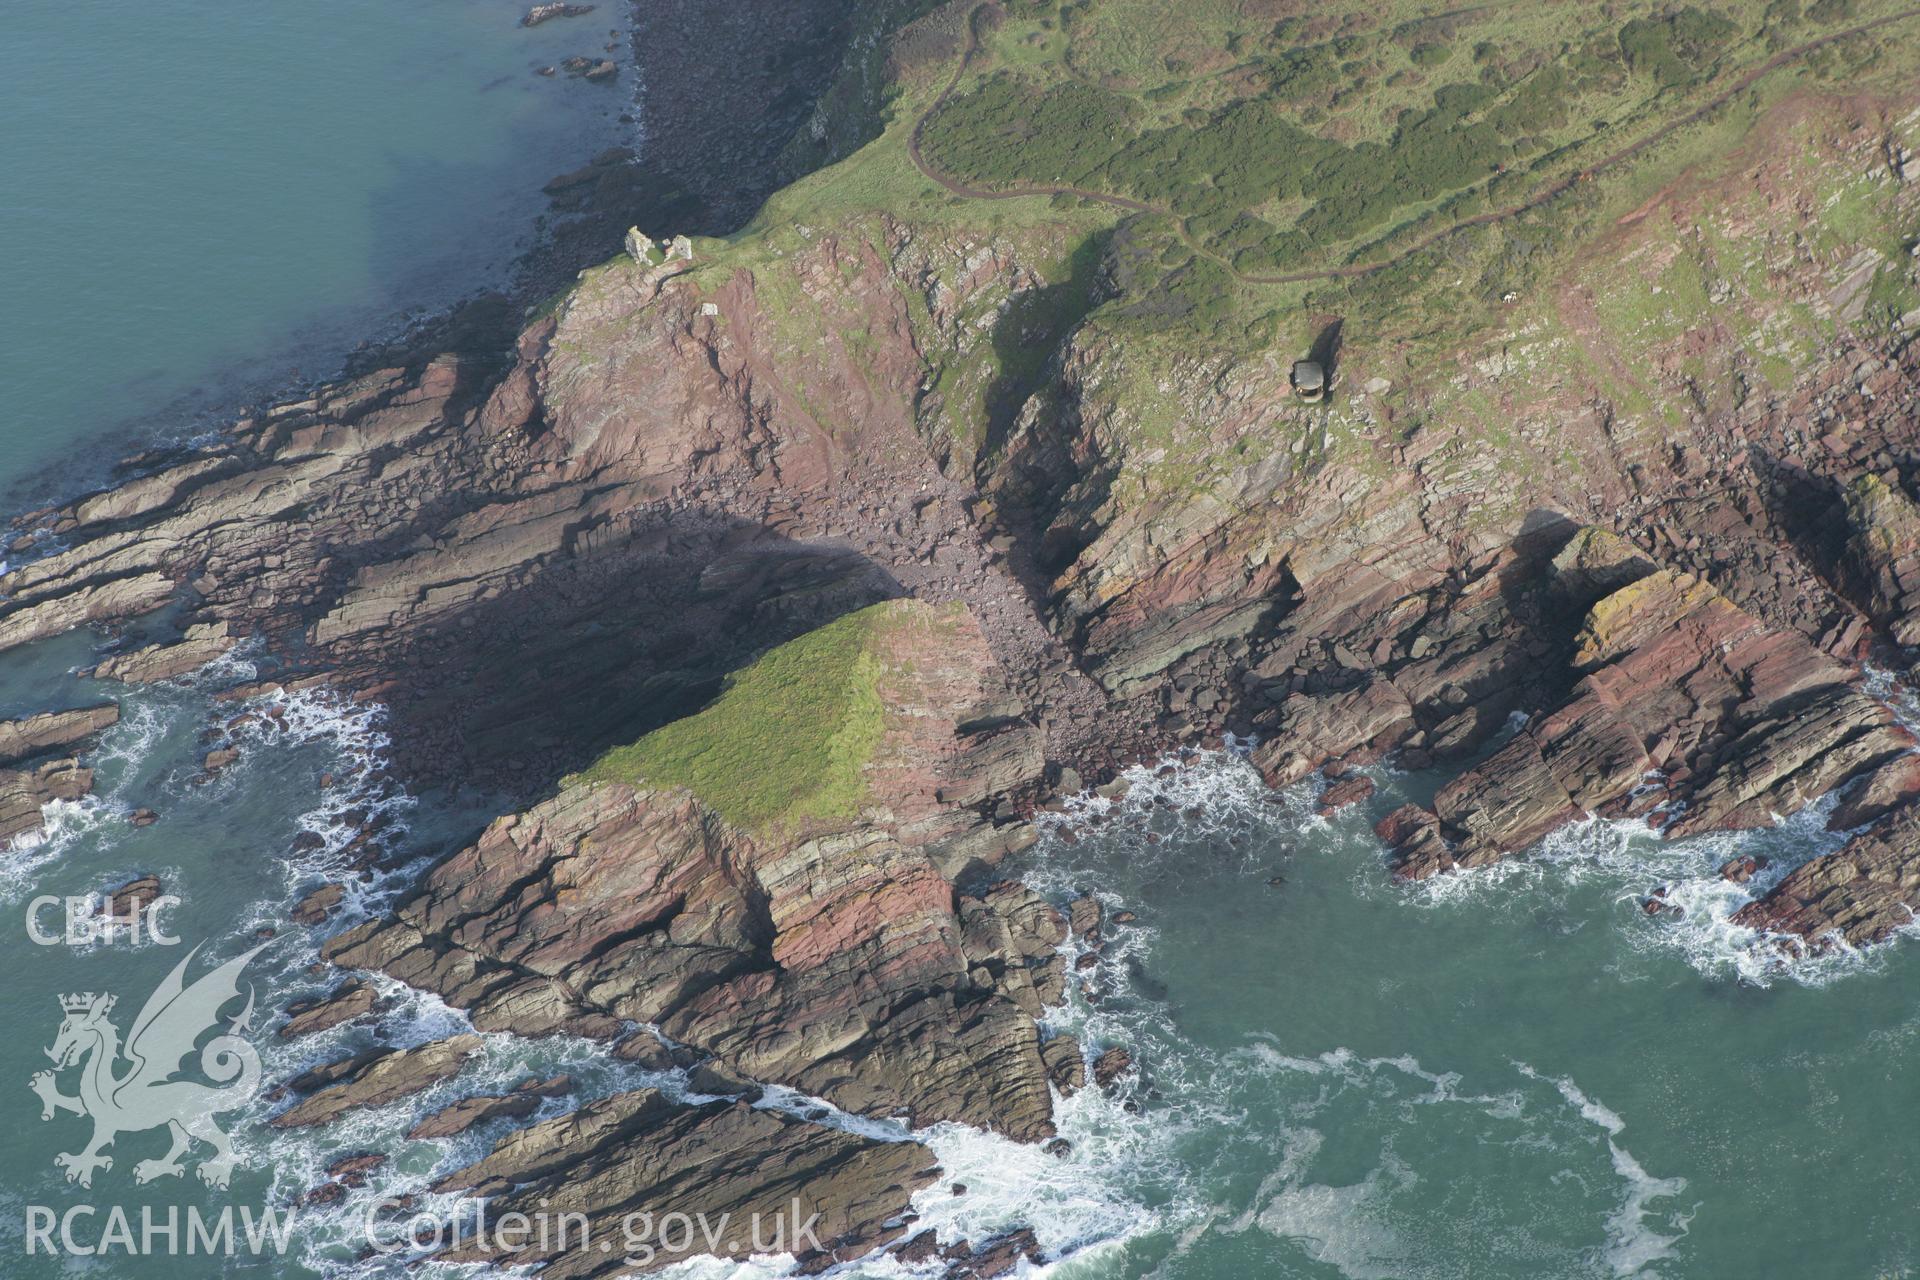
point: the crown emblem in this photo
(81, 1002)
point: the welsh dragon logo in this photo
(144, 1094)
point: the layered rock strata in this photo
(833, 955)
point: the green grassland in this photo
(1302, 146)
(1293, 144)
(786, 742)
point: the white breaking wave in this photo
(1633, 1244)
(1629, 862)
(1379, 1225)
(1149, 1165)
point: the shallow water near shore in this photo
(1514, 1073)
(1506, 1074)
(206, 200)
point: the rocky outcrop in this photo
(457, 1117)
(528, 568)
(1309, 730)
(351, 999)
(1884, 551)
(635, 1152)
(548, 12)
(373, 1079)
(23, 794)
(1595, 563)
(1858, 895)
(80, 603)
(830, 955)
(202, 643)
(533, 555)
(1880, 792)
(52, 730)
(1680, 693)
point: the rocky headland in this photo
(773, 580)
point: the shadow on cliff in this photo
(594, 651)
(1028, 336)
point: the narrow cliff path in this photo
(1542, 197)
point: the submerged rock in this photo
(588, 68)
(126, 903)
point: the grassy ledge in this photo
(788, 739)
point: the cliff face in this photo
(1011, 504)
(824, 949)
(687, 458)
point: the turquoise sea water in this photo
(199, 199)
(199, 202)
(1513, 1073)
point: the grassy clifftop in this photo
(785, 741)
(1386, 163)
(788, 741)
(1285, 145)
(1090, 238)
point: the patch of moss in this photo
(786, 741)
